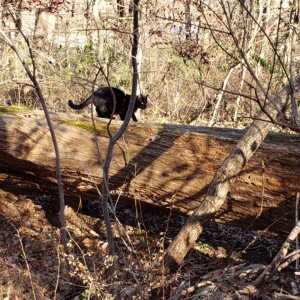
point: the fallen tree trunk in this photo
(161, 165)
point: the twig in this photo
(26, 262)
(58, 270)
(289, 259)
(179, 291)
(163, 246)
(288, 297)
(275, 264)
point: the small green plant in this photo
(88, 293)
(201, 247)
(264, 64)
(84, 58)
(70, 243)
(271, 251)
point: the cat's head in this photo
(141, 101)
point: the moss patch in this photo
(12, 109)
(159, 129)
(101, 130)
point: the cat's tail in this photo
(81, 105)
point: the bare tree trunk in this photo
(115, 137)
(121, 8)
(44, 28)
(43, 36)
(188, 22)
(11, 19)
(220, 96)
(220, 185)
(248, 48)
(239, 97)
(32, 76)
(97, 19)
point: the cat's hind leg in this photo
(101, 114)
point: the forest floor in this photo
(32, 264)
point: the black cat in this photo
(103, 100)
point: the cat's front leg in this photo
(122, 116)
(134, 117)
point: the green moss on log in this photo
(159, 129)
(101, 130)
(12, 109)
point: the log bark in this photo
(160, 165)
